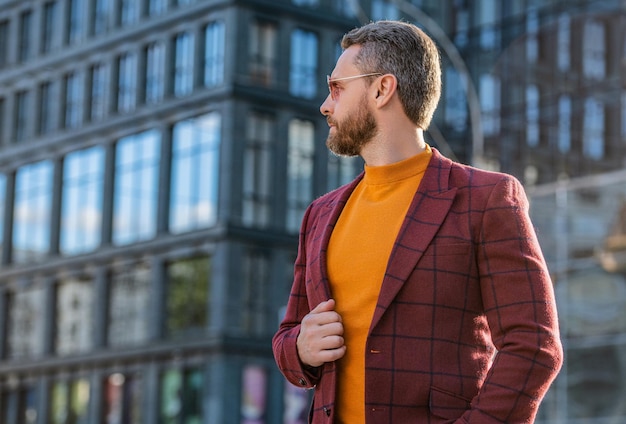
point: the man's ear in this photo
(385, 89)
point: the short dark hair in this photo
(404, 50)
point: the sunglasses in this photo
(333, 88)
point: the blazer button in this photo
(302, 382)
(327, 411)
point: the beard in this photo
(353, 132)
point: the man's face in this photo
(348, 135)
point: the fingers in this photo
(321, 335)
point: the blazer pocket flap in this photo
(447, 405)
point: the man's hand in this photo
(321, 335)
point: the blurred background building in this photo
(156, 157)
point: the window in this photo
(532, 115)
(127, 82)
(129, 305)
(183, 64)
(31, 215)
(24, 44)
(384, 9)
(25, 331)
(305, 2)
(49, 40)
(257, 170)
(99, 81)
(263, 53)
(254, 293)
(123, 398)
(594, 50)
(188, 285)
(26, 401)
(299, 171)
(532, 34)
(563, 43)
(130, 12)
(4, 43)
(3, 194)
(490, 104)
(214, 42)
(565, 124)
(69, 401)
(74, 307)
(341, 170)
(136, 187)
(254, 395)
(181, 396)
(155, 73)
(593, 129)
(103, 16)
(456, 113)
(22, 115)
(73, 101)
(623, 115)
(156, 7)
(48, 106)
(303, 72)
(195, 173)
(75, 18)
(81, 209)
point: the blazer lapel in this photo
(426, 213)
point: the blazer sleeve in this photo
(519, 303)
(284, 341)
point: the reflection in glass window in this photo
(257, 170)
(187, 295)
(69, 401)
(74, 306)
(183, 64)
(263, 52)
(24, 46)
(156, 7)
(127, 82)
(25, 330)
(594, 50)
(181, 396)
(73, 100)
(27, 402)
(254, 293)
(214, 43)
(4, 42)
(303, 70)
(122, 398)
(565, 123)
(31, 215)
(532, 115)
(155, 72)
(129, 306)
(532, 34)
(195, 173)
(81, 210)
(136, 187)
(341, 170)
(593, 129)
(299, 171)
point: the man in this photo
(420, 293)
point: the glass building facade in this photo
(156, 157)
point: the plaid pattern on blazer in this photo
(465, 329)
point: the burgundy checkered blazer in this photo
(465, 329)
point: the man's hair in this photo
(404, 50)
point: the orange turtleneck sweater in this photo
(358, 252)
